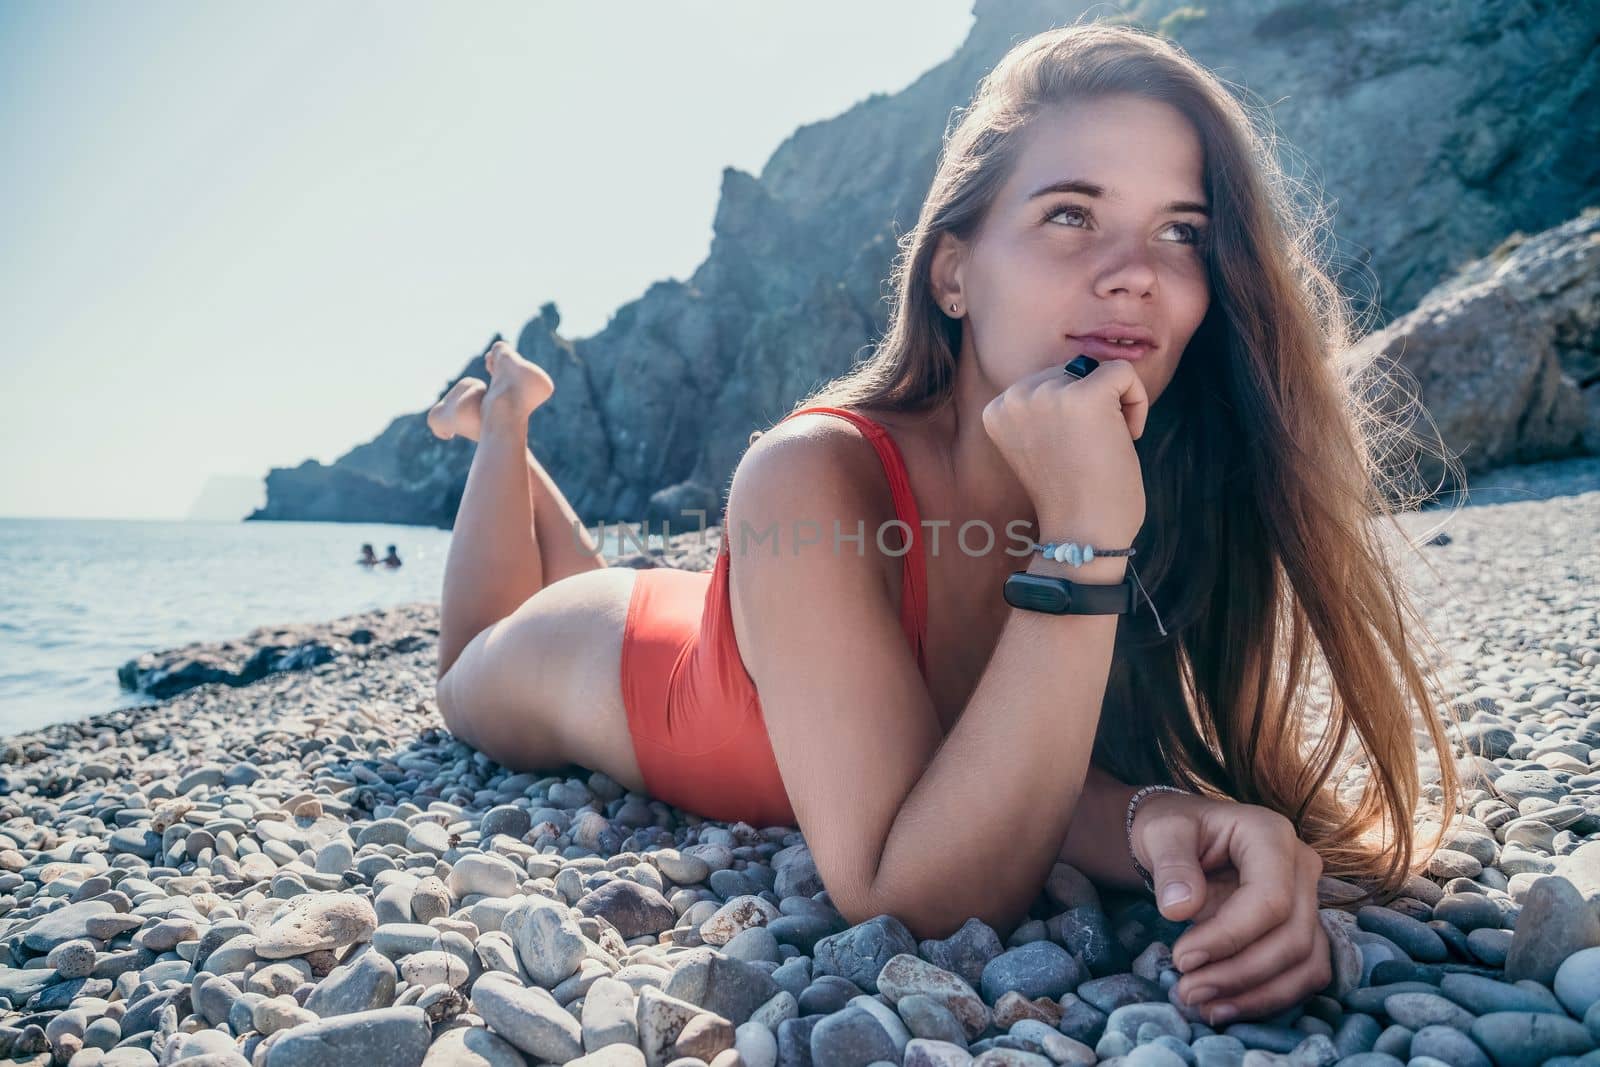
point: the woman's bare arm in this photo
(1097, 842)
(1009, 777)
(899, 822)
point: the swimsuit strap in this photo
(914, 584)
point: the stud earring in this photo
(953, 308)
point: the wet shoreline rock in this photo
(273, 649)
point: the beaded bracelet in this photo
(1133, 805)
(1075, 554)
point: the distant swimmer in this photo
(369, 558)
(392, 559)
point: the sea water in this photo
(80, 597)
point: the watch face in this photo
(1038, 592)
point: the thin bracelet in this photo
(1070, 552)
(1133, 805)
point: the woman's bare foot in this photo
(516, 387)
(459, 413)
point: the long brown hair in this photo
(1263, 468)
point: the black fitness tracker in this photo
(1054, 595)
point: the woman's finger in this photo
(1262, 848)
(1169, 841)
(1220, 885)
(1280, 992)
(1277, 952)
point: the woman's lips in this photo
(1099, 349)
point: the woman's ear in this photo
(945, 269)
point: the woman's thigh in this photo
(542, 687)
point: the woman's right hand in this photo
(1256, 944)
(1070, 442)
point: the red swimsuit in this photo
(693, 712)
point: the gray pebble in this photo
(851, 1038)
(72, 959)
(528, 1017)
(1037, 969)
(1577, 981)
(1492, 947)
(364, 983)
(1449, 1044)
(1526, 1039)
(394, 1037)
(487, 875)
(928, 1018)
(1413, 937)
(474, 1046)
(1395, 1040)
(505, 819)
(427, 837)
(1416, 1010)
(1555, 922)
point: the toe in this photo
(492, 358)
(444, 417)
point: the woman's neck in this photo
(983, 483)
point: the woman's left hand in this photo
(1256, 944)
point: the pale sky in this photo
(236, 236)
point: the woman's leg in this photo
(567, 548)
(515, 531)
(542, 687)
(528, 668)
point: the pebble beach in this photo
(307, 870)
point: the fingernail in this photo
(1201, 995)
(1193, 961)
(1176, 893)
(1224, 1013)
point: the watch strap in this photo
(1103, 599)
(1081, 599)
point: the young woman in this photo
(940, 748)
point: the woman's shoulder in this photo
(825, 421)
(841, 445)
(809, 439)
(806, 458)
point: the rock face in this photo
(1507, 352)
(652, 413)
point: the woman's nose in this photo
(1127, 267)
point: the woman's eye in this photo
(1196, 233)
(1058, 212)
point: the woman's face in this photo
(1115, 245)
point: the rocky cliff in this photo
(1434, 133)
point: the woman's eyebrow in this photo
(1090, 189)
